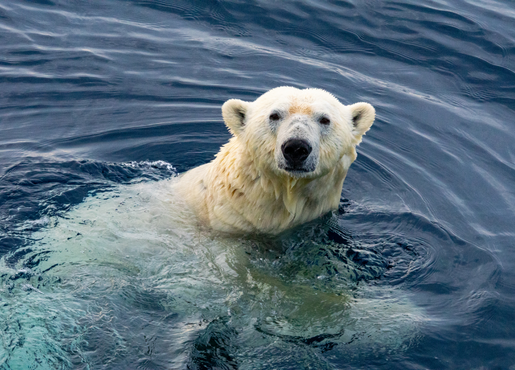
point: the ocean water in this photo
(104, 103)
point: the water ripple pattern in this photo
(103, 104)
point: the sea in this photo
(105, 103)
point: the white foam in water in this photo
(128, 272)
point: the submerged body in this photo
(285, 164)
(120, 268)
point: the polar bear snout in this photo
(295, 152)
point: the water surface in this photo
(104, 103)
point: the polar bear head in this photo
(298, 133)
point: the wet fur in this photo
(246, 189)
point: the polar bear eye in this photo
(324, 121)
(275, 117)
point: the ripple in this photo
(99, 98)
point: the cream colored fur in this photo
(244, 189)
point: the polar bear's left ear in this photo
(363, 115)
(234, 112)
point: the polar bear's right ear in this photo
(234, 112)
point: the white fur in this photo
(247, 187)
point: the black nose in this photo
(295, 151)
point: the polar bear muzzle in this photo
(295, 152)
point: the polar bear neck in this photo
(245, 196)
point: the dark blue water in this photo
(102, 103)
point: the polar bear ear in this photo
(234, 112)
(363, 115)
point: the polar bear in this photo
(285, 164)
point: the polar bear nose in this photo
(295, 151)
